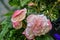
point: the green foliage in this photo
(14, 2)
(8, 33)
(24, 2)
(44, 37)
(9, 13)
(6, 24)
(20, 3)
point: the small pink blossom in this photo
(17, 25)
(37, 25)
(31, 4)
(17, 17)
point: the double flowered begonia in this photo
(37, 25)
(17, 17)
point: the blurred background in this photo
(4, 8)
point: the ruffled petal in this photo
(37, 25)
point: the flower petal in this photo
(17, 25)
(19, 15)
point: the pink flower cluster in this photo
(37, 25)
(17, 18)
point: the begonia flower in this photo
(37, 25)
(17, 18)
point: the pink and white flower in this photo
(37, 25)
(17, 17)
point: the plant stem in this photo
(50, 11)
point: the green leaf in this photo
(24, 2)
(45, 37)
(3, 32)
(17, 3)
(14, 2)
(9, 13)
(11, 33)
(6, 24)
